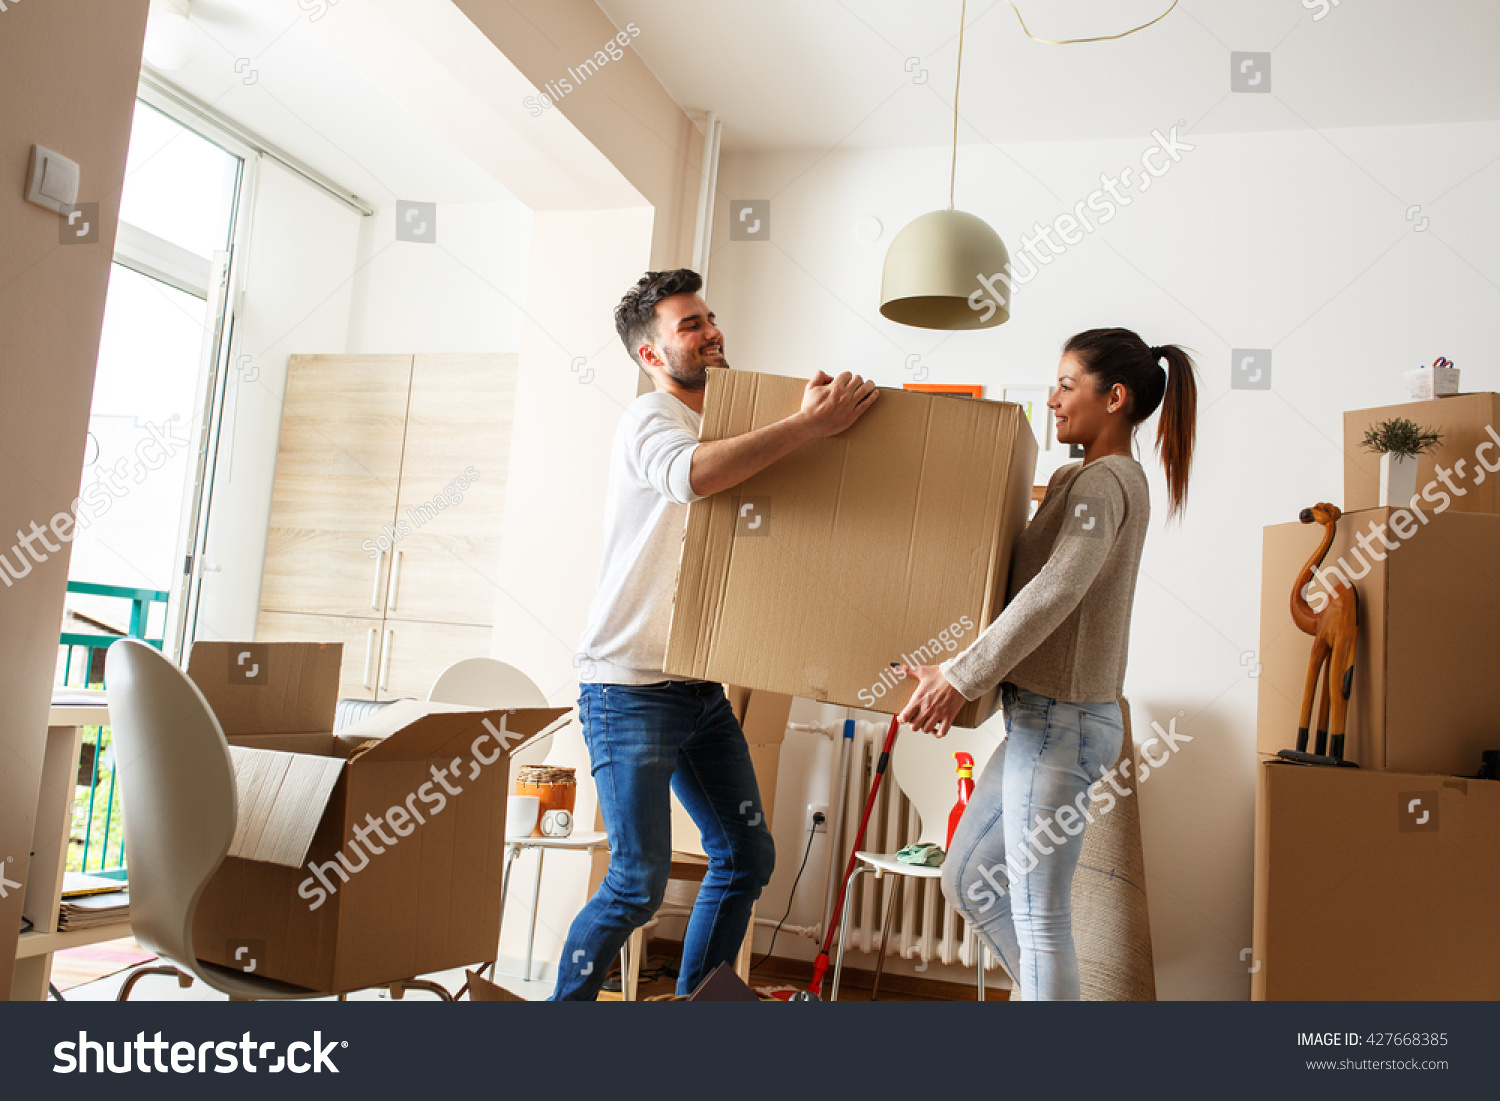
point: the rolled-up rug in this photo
(1111, 925)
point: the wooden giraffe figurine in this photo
(1335, 630)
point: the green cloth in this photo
(928, 855)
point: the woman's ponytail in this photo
(1177, 430)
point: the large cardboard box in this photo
(360, 858)
(890, 541)
(1470, 424)
(1426, 697)
(1374, 885)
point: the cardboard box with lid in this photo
(890, 541)
(413, 797)
(1374, 885)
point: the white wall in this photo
(68, 72)
(463, 293)
(298, 293)
(1293, 241)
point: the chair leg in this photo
(630, 982)
(624, 970)
(981, 969)
(838, 959)
(511, 851)
(536, 900)
(885, 932)
(398, 989)
(747, 951)
(183, 980)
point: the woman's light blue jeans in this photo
(1010, 868)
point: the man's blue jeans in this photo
(646, 741)
(1010, 870)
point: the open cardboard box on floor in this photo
(1374, 885)
(359, 858)
(888, 542)
(1425, 695)
(1469, 450)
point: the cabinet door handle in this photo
(395, 579)
(375, 593)
(369, 657)
(385, 660)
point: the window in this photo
(154, 386)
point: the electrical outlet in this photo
(813, 822)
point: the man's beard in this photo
(689, 372)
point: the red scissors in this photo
(1442, 361)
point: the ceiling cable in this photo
(1100, 38)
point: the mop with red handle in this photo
(814, 990)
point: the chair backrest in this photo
(923, 768)
(177, 791)
(487, 682)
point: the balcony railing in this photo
(96, 814)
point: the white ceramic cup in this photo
(520, 815)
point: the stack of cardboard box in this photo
(1383, 882)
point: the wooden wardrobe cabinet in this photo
(371, 541)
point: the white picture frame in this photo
(1033, 402)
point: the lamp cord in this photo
(1100, 38)
(958, 76)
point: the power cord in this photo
(818, 820)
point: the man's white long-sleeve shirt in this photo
(645, 515)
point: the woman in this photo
(1058, 653)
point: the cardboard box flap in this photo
(410, 730)
(268, 687)
(282, 797)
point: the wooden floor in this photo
(855, 985)
(78, 966)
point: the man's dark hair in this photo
(635, 316)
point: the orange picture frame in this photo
(944, 388)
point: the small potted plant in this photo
(1398, 442)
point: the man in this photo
(648, 732)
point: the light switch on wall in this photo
(53, 180)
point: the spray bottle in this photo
(965, 766)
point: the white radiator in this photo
(924, 926)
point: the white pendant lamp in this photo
(934, 264)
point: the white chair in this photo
(921, 767)
(177, 781)
(486, 682)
